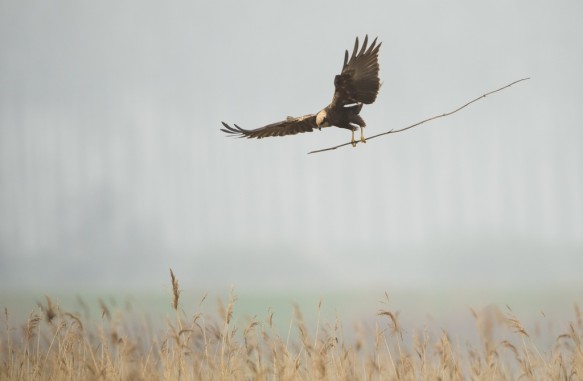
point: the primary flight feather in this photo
(357, 84)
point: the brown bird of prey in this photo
(357, 84)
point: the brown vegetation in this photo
(58, 345)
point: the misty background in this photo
(113, 168)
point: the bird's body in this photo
(357, 84)
(343, 117)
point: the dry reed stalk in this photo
(48, 310)
(208, 347)
(175, 291)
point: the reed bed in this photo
(53, 344)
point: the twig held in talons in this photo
(393, 131)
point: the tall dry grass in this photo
(53, 344)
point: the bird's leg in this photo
(353, 141)
(362, 139)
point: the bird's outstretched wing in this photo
(290, 126)
(359, 80)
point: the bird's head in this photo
(321, 120)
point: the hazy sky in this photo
(113, 168)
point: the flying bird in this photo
(357, 84)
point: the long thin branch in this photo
(392, 131)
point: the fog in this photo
(113, 168)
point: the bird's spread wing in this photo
(290, 126)
(359, 80)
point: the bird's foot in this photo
(362, 139)
(353, 142)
